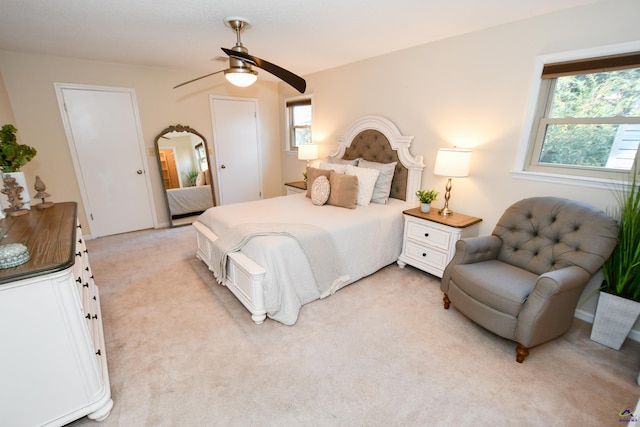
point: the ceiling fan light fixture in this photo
(241, 77)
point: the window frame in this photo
(201, 156)
(539, 99)
(289, 126)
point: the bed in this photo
(189, 199)
(276, 255)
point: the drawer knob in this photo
(424, 254)
(426, 234)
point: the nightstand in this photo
(429, 240)
(295, 187)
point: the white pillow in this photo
(339, 168)
(320, 190)
(366, 183)
(383, 184)
(200, 180)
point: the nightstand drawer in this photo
(424, 233)
(425, 256)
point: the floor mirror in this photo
(183, 160)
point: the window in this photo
(588, 117)
(201, 157)
(299, 119)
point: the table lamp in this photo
(452, 163)
(307, 152)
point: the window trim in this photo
(534, 106)
(291, 102)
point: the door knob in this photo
(139, 171)
(223, 167)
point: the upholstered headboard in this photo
(373, 146)
(377, 139)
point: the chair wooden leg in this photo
(446, 301)
(521, 353)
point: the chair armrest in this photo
(471, 250)
(549, 310)
(476, 249)
(562, 280)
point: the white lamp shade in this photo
(307, 151)
(242, 79)
(452, 162)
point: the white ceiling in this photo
(302, 36)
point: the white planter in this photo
(424, 207)
(615, 316)
(20, 180)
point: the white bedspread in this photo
(189, 199)
(367, 238)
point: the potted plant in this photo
(191, 176)
(426, 197)
(13, 156)
(619, 297)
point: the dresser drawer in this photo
(424, 233)
(425, 257)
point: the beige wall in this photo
(30, 98)
(469, 91)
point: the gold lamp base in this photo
(445, 211)
(447, 195)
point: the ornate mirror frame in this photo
(180, 129)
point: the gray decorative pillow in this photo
(339, 161)
(383, 183)
(320, 190)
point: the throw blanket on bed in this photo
(317, 244)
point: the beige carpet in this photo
(182, 351)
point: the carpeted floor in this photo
(182, 351)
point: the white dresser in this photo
(429, 240)
(53, 366)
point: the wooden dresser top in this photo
(49, 235)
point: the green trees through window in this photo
(592, 120)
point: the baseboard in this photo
(588, 317)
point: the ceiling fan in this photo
(239, 72)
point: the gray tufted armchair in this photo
(523, 281)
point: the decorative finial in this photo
(41, 194)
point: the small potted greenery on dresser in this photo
(426, 197)
(619, 297)
(14, 156)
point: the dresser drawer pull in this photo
(424, 254)
(426, 234)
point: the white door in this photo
(235, 139)
(103, 130)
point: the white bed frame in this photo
(244, 276)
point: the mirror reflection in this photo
(183, 160)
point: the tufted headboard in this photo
(377, 139)
(373, 146)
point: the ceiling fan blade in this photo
(198, 78)
(287, 76)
